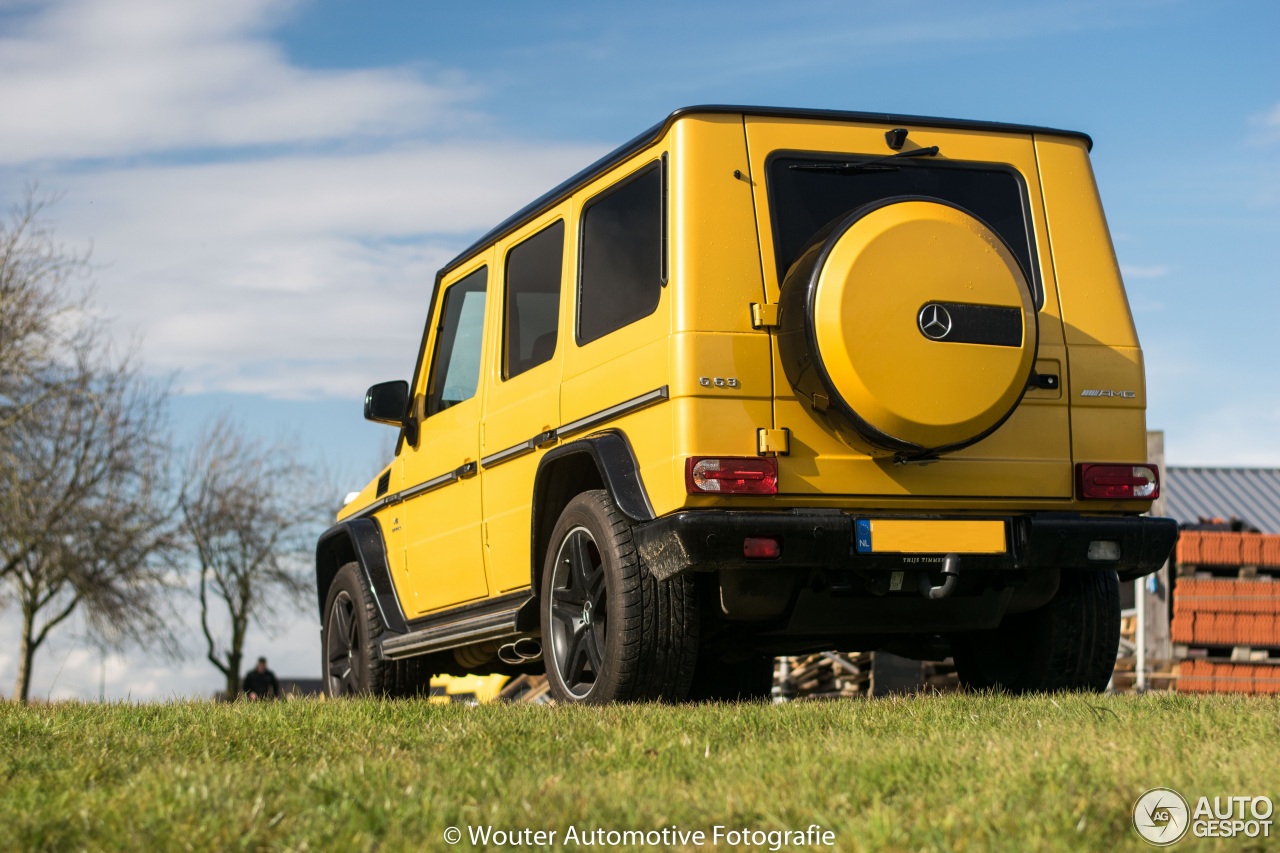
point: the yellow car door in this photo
(441, 512)
(522, 407)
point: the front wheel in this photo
(350, 630)
(349, 636)
(1068, 644)
(611, 632)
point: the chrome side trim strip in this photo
(385, 500)
(510, 453)
(489, 626)
(552, 436)
(412, 491)
(429, 485)
(657, 395)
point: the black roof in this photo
(648, 137)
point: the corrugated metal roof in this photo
(1250, 494)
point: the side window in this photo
(455, 370)
(532, 306)
(621, 274)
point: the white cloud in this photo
(1240, 434)
(267, 267)
(1268, 123)
(1210, 416)
(293, 276)
(1152, 271)
(106, 78)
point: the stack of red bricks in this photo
(1228, 611)
(1205, 676)
(1211, 548)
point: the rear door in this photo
(994, 176)
(522, 406)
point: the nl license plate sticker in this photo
(911, 536)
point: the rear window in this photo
(532, 310)
(806, 203)
(622, 272)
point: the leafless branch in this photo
(249, 514)
(84, 498)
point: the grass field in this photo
(933, 773)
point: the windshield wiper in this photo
(874, 165)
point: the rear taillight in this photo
(731, 475)
(761, 547)
(1117, 482)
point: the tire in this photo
(349, 637)
(1069, 644)
(645, 646)
(749, 680)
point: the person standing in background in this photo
(261, 683)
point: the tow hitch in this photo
(950, 570)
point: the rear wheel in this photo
(1069, 644)
(611, 632)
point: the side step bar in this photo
(497, 624)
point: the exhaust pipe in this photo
(528, 648)
(522, 650)
(950, 571)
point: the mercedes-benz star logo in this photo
(935, 321)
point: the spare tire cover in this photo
(910, 325)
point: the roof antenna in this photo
(894, 138)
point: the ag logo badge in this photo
(1161, 816)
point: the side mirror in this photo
(387, 402)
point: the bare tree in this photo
(249, 515)
(83, 515)
(83, 458)
(39, 311)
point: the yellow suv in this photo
(761, 382)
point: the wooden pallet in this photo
(824, 675)
(1125, 680)
(1244, 573)
(1245, 654)
(526, 689)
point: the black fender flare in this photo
(359, 540)
(616, 465)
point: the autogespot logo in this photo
(1161, 816)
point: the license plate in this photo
(910, 536)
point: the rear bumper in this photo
(711, 541)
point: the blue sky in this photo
(269, 186)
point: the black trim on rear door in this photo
(804, 205)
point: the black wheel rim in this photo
(342, 650)
(579, 615)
